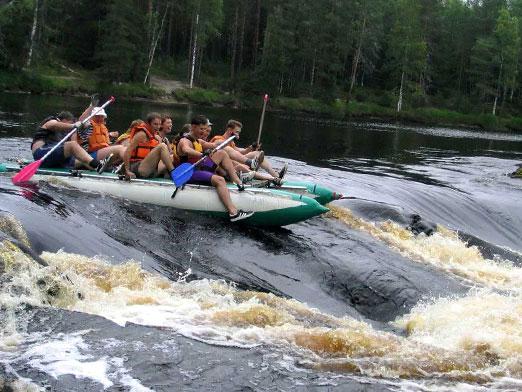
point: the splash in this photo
(474, 339)
(443, 250)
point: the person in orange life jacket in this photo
(124, 138)
(49, 132)
(190, 149)
(96, 139)
(146, 157)
(242, 155)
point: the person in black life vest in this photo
(49, 132)
(191, 148)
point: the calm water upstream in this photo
(140, 298)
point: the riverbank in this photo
(73, 82)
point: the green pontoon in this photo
(291, 203)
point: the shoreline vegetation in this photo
(69, 82)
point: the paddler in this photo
(96, 138)
(191, 147)
(52, 130)
(248, 154)
(146, 157)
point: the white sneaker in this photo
(257, 161)
(104, 163)
(246, 176)
(240, 215)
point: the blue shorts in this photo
(204, 172)
(56, 159)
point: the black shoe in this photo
(283, 171)
(240, 215)
(240, 187)
(277, 181)
(104, 163)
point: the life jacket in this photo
(99, 137)
(196, 145)
(142, 149)
(123, 137)
(46, 135)
(221, 139)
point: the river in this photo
(140, 298)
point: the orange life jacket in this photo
(99, 137)
(142, 149)
(221, 139)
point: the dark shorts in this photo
(204, 172)
(56, 159)
(134, 166)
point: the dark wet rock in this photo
(418, 226)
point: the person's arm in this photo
(187, 149)
(58, 126)
(138, 138)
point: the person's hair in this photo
(152, 116)
(136, 122)
(185, 128)
(165, 117)
(234, 124)
(65, 115)
(199, 120)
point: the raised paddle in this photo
(28, 171)
(265, 100)
(183, 172)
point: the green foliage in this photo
(15, 26)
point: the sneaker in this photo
(257, 161)
(119, 169)
(283, 171)
(240, 187)
(246, 176)
(240, 215)
(104, 163)
(277, 181)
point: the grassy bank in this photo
(76, 82)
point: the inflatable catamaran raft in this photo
(291, 203)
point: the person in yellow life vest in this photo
(251, 155)
(191, 148)
(146, 157)
(96, 139)
(124, 138)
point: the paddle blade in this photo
(182, 174)
(27, 172)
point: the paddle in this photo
(265, 99)
(28, 171)
(183, 172)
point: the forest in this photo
(399, 54)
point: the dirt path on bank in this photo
(167, 85)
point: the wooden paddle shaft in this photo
(265, 99)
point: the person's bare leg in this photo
(118, 150)
(221, 158)
(150, 164)
(265, 164)
(235, 155)
(224, 195)
(75, 150)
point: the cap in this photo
(208, 122)
(97, 111)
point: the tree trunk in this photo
(255, 41)
(169, 50)
(241, 37)
(312, 76)
(194, 51)
(191, 49)
(33, 33)
(356, 59)
(399, 102)
(234, 46)
(155, 44)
